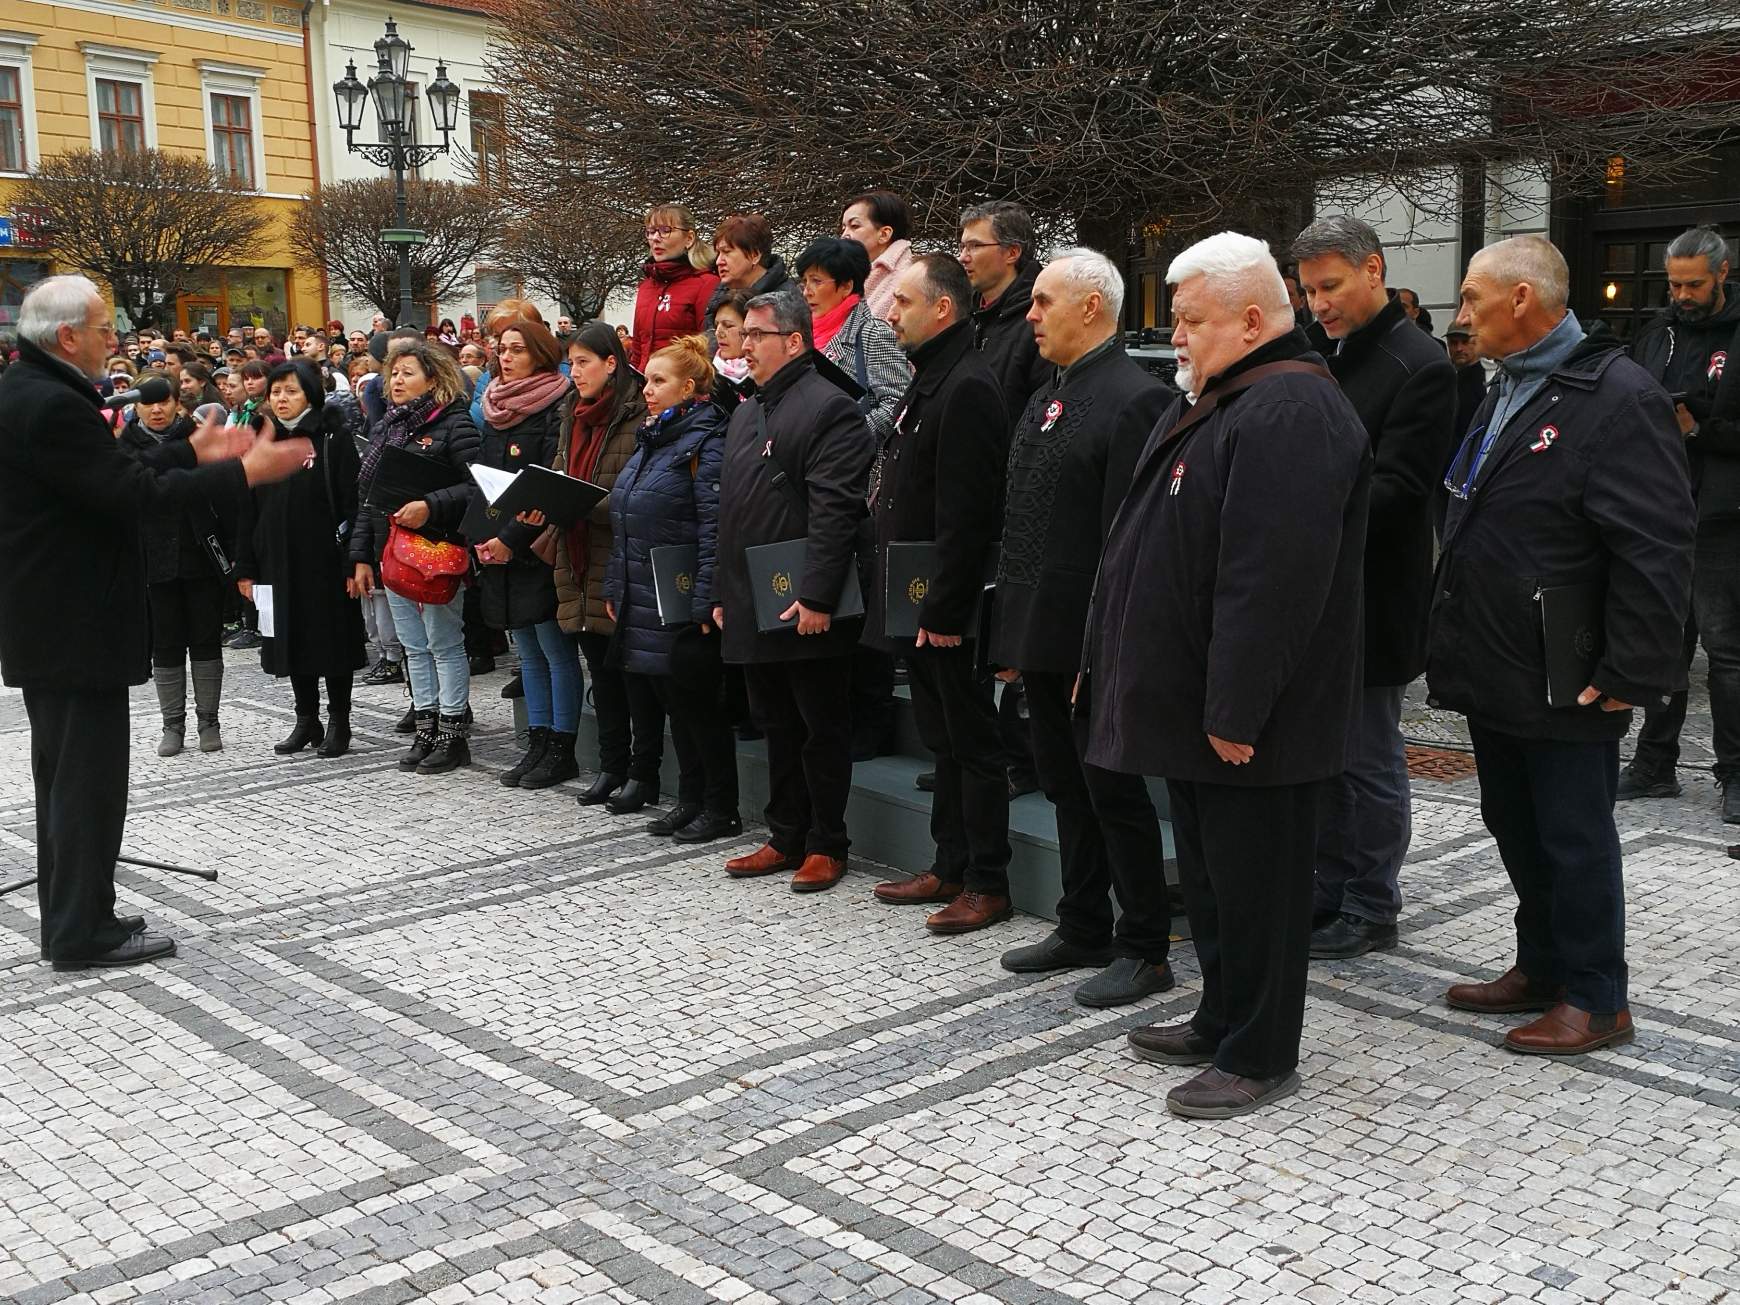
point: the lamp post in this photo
(395, 150)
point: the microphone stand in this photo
(208, 875)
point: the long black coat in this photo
(1070, 460)
(449, 437)
(294, 536)
(1691, 358)
(1003, 334)
(173, 536)
(942, 480)
(1403, 385)
(520, 592)
(819, 439)
(1229, 599)
(72, 501)
(1607, 500)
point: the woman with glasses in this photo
(679, 283)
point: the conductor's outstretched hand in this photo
(272, 459)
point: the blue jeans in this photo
(434, 642)
(550, 671)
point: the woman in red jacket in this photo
(672, 300)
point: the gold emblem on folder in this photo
(916, 591)
(782, 583)
(685, 582)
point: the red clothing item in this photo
(671, 302)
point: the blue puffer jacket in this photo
(667, 494)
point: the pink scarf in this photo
(507, 403)
(825, 326)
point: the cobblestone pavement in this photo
(440, 1040)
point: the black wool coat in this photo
(1691, 358)
(294, 536)
(1403, 385)
(449, 437)
(1003, 334)
(174, 547)
(1605, 500)
(1069, 464)
(942, 481)
(520, 592)
(817, 436)
(72, 503)
(1229, 599)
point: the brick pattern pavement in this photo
(439, 1040)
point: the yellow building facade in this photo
(223, 80)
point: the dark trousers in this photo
(1715, 621)
(187, 620)
(1245, 857)
(797, 704)
(1658, 738)
(1367, 820)
(1016, 732)
(631, 723)
(78, 761)
(1549, 804)
(956, 715)
(306, 689)
(694, 701)
(1108, 835)
(872, 698)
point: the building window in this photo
(13, 155)
(232, 139)
(488, 135)
(120, 117)
(494, 285)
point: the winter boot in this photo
(171, 684)
(451, 751)
(422, 743)
(309, 732)
(208, 691)
(538, 745)
(337, 734)
(558, 763)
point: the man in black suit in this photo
(1402, 385)
(74, 634)
(942, 483)
(1224, 653)
(1069, 464)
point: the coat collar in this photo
(1291, 345)
(782, 380)
(933, 360)
(1111, 346)
(1362, 341)
(60, 369)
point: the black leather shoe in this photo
(537, 744)
(709, 825)
(427, 726)
(1053, 953)
(1171, 1044)
(557, 764)
(309, 732)
(337, 741)
(1216, 1094)
(514, 688)
(632, 796)
(131, 923)
(451, 750)
(1123, 983)
(1635, 783)
(600, 790)
(484, 665)
(673, 820)
(925, 782)
(1731, 802)
(1350, 935)
(407, 723)
(139, 948)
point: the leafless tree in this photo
(1106, 117)
(147, 223)
(578, 261)
(340, 226)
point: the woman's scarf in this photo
(394, 431)
(507, 403)
(587, 431)
(826, 326)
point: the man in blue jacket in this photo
(1571, 475)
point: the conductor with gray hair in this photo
(1562, 592)
(74, 634)
(1224, 653)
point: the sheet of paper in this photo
(491, 480)
(263, 605)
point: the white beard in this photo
(1185, 379)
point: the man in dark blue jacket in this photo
(73, 628)
(1571, 476)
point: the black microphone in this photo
(153, 389)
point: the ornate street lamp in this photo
(394, 110)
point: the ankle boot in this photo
(407, 723)
(208, 691)
(171, 682)
(422, 743)
(337, 734)
(558, 762)
(451, 751)
(308, 732)
(538, 745)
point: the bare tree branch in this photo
(579, 263)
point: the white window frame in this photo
(15, 48)
(115, 63)
(243, 82)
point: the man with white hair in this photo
(1224, 652)
(73, 628)
(1069, 462)
(1563, 586)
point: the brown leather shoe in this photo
(968, 912)
(1567, 1031)
(818, 873)
(1512, 991)
(1216, 1094)
(916, 891)
(765, 860)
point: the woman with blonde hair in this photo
(679, 283)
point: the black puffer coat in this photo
(447, 436)
(522, 591)
(173, 547)
(667, 494)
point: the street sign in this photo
(404, 236)
(5, 231)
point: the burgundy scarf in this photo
(586, 435)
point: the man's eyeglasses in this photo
(754, 335)
(973, 246)
(664, 231)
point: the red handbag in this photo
(422, 569)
